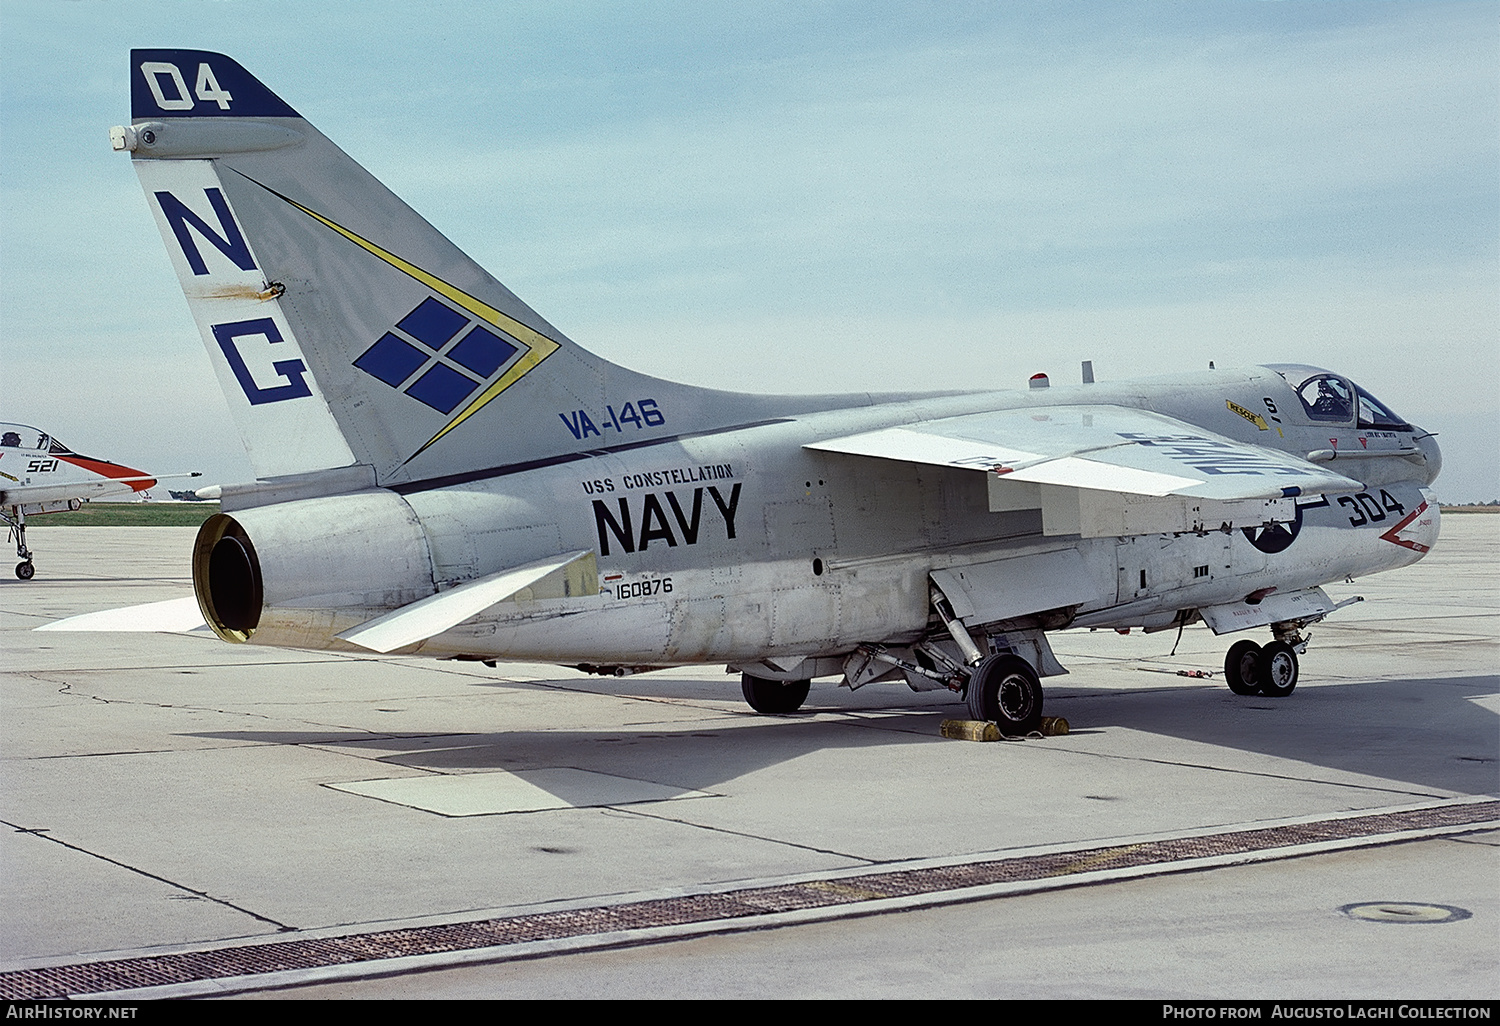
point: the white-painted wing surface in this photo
(1104, 448)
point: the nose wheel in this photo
(1278, 670)
(1242, 668)
(1272, 670)
(14, 518)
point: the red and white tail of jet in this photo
(38, 474)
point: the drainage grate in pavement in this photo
(276, 956)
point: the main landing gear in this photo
(1251, 669)
(1006, 691)
(774, 696)
(1000, 687)
(15, 519)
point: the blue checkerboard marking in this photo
(433, 324)
(391, 360)
(442, 388)
(482, 352)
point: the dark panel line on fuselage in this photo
(449, 480)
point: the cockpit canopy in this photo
(20, 436)
(1329, 398)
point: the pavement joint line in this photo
(45, 834)
(1480, 841)
(1259, 773)
(246, 665)
(279, 962)
(635, 811)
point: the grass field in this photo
(130, 514)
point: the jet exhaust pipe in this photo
(299, 572)
(226, 578)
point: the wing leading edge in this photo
(1105, 470)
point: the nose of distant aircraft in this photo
(1428, 444)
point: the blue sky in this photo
(817, 197)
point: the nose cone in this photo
(1434, 456)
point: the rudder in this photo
(343, 327)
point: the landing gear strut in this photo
(1002, 687)
(15, 519)
(1272, 671)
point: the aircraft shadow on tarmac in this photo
(1428, 734)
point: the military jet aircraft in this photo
(38, 474)
(441, 472)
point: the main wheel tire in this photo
(774, 696)
(26, 571)
(1242, 667)
(1278, 669)
(1005, 690)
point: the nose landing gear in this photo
(15, 519)
(1270, 671)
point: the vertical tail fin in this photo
(343, 327)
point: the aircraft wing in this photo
(93, 488)
(1106, 470)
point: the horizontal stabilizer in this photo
(433, 615)
(1103, 448)
(174, 616)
